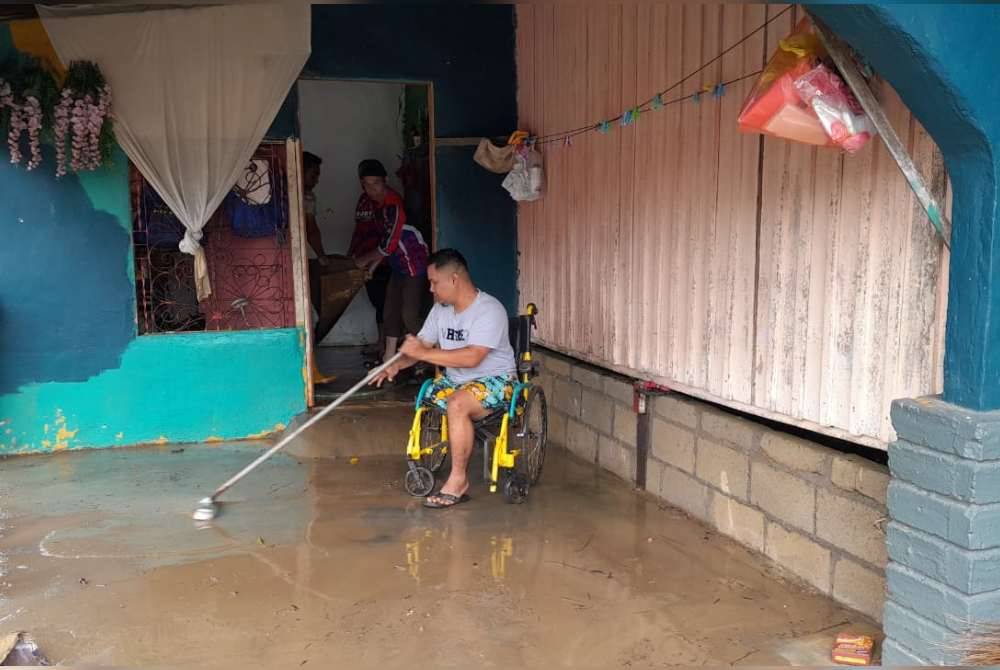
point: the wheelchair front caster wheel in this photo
(515, 488)
(419, 481)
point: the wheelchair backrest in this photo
(519, 330)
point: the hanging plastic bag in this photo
(253, 209)
(526, 180)
(843, 119)
(494, 158)
(774, 106)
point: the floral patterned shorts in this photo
(493, 393)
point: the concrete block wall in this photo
(817, 512)
(590, 414)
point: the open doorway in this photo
(344, 123)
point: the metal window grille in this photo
(247, 249)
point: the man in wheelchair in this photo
(466, 333)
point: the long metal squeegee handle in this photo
(298, 431)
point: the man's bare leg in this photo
(463, 409)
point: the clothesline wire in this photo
(689, 96)
(544, 139)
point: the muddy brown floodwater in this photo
(324, 563)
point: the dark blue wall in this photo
(286, 121)
(67, 304)
(67, 301)
(467, 52)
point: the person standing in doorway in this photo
(400, 245)
(310, 179)
(368, 234)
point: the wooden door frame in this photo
(300, 253)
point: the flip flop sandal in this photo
(450, 500)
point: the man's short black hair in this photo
(310, 160)
(371, 167)
(443, 258)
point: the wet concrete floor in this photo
(318, 562)
(347, 366)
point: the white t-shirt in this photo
(484, 323)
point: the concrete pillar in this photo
(944, 496)
(944, 533)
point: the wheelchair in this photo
(513, 439)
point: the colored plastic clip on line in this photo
(697, 96)
(605, 127)
(567, 142)
(719, 90)
(631, 116)
(658, 102)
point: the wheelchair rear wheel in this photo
(530, 435)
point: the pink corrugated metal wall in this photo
(788, 281)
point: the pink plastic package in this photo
(838, 110)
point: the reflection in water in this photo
(502, 549)
(413, 554)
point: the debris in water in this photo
(260, 540)
(83, 581)
(176, 451)
(21, 650)
(354, 460)
(851, 649)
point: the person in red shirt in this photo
(381, 218)
(366, 238)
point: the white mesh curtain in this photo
(193, 92)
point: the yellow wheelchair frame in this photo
(423, 460)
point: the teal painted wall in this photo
(73, 372)
(188, 387)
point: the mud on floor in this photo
(320, 562)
